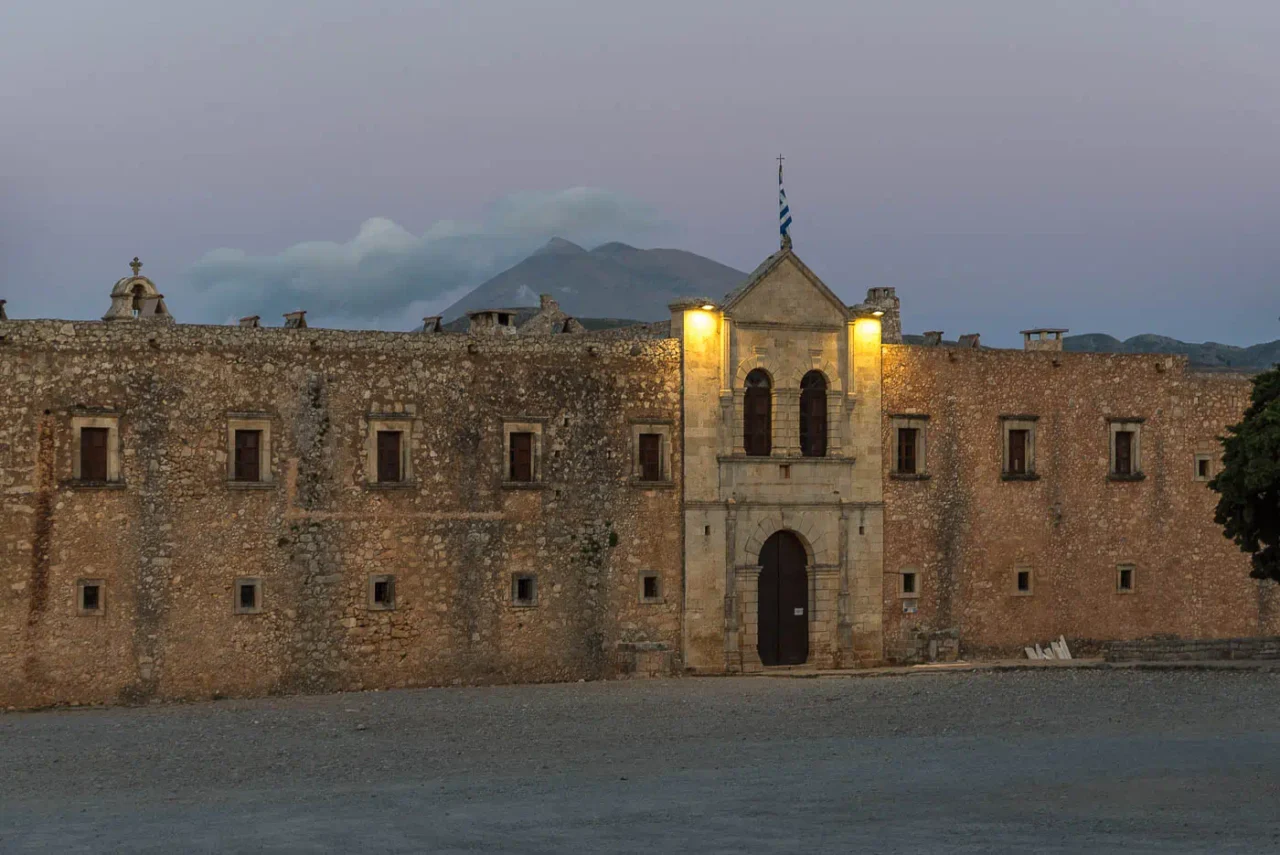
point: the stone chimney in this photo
(295, 320)
(251, 322)
(1045, 338)
(932, 338)
(3, 316)
(546, 302)
(969, 340)
(886, 300)
(432, 324)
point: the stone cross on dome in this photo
(136, 265)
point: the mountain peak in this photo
(558, 246)
(613, 248)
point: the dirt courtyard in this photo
(1055, 761)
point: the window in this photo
(1203, 467)
(910, 586)
(249, 449)
(247, 593)
(95, 455)
(813, 415)
(1022, 580)
(388, 449)
(1126, 448)
(757, 414)
(706, 531)
(650, 457)
(89, 597)
(650, 588)
(1124, 578)
(521, 463)
(247, 455)
(382, 592)
(524, 590)
(389, 452)
(907, 435)
(1019, 447)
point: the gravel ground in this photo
(1062, 761)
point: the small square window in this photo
(706, 531)
(524, 590)
(1022, 581)
(907, 456)
(650, 588)
(909, 588)
(89, 597)
(382, 592)
(1204, 467)
(248, 596)
(1124, 578)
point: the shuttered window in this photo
(1124, 452)
(521, 463)
(248, 455)
(389, 456)
(907, 450)
(1018, 452)
(813, 415)
(650, 457)
(757, 416)
(93, 453)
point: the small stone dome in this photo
(135, 298)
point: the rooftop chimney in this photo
(1044, 338)
(545, 302)
(886, 300)
(3, 316)
(432, 324)
(295, 320)
(932, 338)
(969, 340)
(253, 321)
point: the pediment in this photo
(784, 290)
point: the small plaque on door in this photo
(799, 612)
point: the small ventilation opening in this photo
(1024, 581)
(248, 596)
(908, 583)
(1202, 468)
(90, 598)
(382, 592)
(649, 587)
(1124, 579)
(706, 531)
(524, 590)
(785, 471)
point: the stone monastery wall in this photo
(169, 539)
(966, 530)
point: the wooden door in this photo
(783, 602)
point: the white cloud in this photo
(385, 276)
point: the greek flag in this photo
(784, 211)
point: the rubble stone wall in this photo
(966, 531)
(169, 540)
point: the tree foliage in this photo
(1249, 483)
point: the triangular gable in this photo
(784, 289)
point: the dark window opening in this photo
(1024, 581)
(757, 415)
(1018, 452)
(908, 583)
(384, 592)
(524, 590)
(90, 598)
(248, 455)
(785, 471)
(248, 595)
(93, 453)
(504, 319)
(706, 530)
(1124, 452)
(1125, 580)
(1202, 468)
(521, 463)
(389, 456)
(907, 450)
(813, 415)
(650, 457)
(650, 589)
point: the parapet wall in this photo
(171, 537)
(966, 530)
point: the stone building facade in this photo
(770, 479)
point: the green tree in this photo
(1249, 483)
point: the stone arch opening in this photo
(782, 603)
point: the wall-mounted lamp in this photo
(708, 307)
(877, 313)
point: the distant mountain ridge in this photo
(1210, 354)
(613, 280)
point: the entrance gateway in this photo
(783, 637)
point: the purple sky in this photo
(1105, 166)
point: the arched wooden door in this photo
(783, 602)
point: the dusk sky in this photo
(1104, 166)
